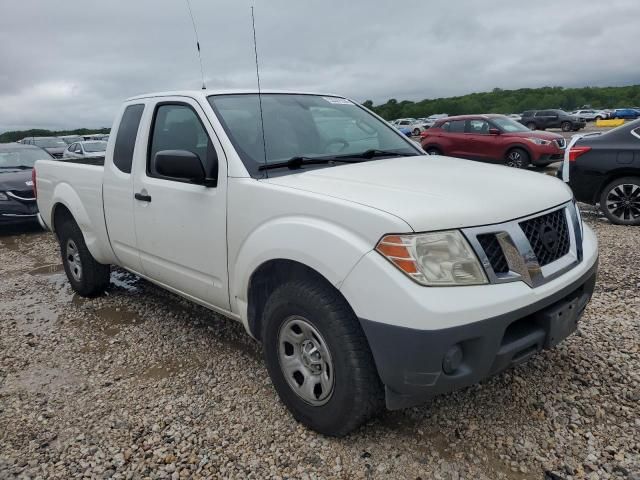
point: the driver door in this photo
(180, 226)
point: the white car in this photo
(85, 149)
(372, 274)
(415, 126)
(590, 114)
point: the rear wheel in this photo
(87, 277)
(433, 151)
(517, 158)
(416, 132)
(620, 201)
(318, 358)
(566, 126)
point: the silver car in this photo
(86, 149)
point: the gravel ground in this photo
(141, 384)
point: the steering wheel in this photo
(336, 140)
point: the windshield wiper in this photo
(376, 152)
(295, 163)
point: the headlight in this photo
(434, 259)
(539, 141)
(3, 197)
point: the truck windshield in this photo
(298, 125)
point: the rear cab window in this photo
(126, 137)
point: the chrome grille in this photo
(533, 250)
(548, 236)
(493, 250)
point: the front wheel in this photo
(318, 358)
(517, 158)
(416, 132)
(566, 126)
(87, 277)
(620, 201)
(531, 126)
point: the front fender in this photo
(329, 249)
(94, 231)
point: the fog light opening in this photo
(452, 360)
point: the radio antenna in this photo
(195, 30)
(255, 51)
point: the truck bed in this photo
(77, 186)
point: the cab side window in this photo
(126, 137)
(178, 127)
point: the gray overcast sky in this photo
(70, 63)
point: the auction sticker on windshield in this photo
(338, 101)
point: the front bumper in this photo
(410, 328)
(410, 362)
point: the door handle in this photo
(142, 197)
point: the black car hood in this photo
(18, 180)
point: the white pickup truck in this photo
(371, 273)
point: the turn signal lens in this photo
(434, 259)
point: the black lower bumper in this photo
(412, 363)
(18, 219)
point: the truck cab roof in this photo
(203, 94)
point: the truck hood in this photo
(435, 192)
(15, 179)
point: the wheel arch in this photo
(267, 277)
(522, 146)
(614, 175)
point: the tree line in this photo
(512, 101)
(15, 135)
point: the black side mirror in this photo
(180, 164)
(494, 131)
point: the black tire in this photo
(416, 132)
(566, 126)
(517, 158)
(620, 201)
(433, 151)
(531, 126)
(93, 277)
(357, 393)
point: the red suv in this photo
(493, 138)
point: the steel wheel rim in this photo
(623, 201)
(72, 258)
(305, 361)
(514, 159)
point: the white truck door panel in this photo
(117, 190)
(181, 230)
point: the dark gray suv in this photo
(543, 119)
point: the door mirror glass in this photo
(179, 164)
